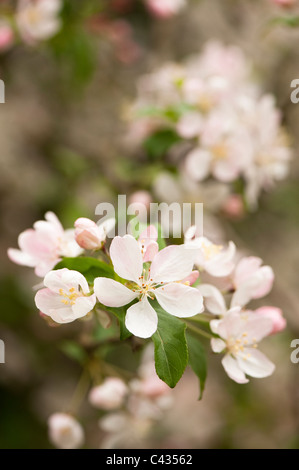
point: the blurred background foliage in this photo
(61, 137)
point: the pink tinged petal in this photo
(256, 327)
(217, 345)
(65, 279)
(275, 315)
(232, 325)
(83, 305)
(266, 282)
(245, 268)
(173, 263)
(225, 171)
(150, 234)
(126, 257)
(222, 265)
(45, 266)
(107, 226)
(20, 257)
(213, 299)
(255, 363)
(180, 300)
(198, 164)
(150, 252)
(112, 293)
(191, 279)
(141, 319)
(233, 369)
(47, 300)
(53, 219)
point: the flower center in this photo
(69, 297)
(236, 346)
(210, 250)
(219, 152)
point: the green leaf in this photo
(197, 360)
(160, 142)
(89, 267)
(74, 351)
(171, 353)
(291, 20)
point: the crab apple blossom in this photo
(6, 35)
(91, 236)
(214, 259)
(43, 246)
(239, 335)
(109, 395)
(251, 280)
(66, 296)
(65, 432)
(165, 8)
(161, 280)
(38, 20)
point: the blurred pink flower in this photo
(165, 8)
(251, 280)
(6, 35)
(65, 432)
(109, 395)
(38, 20)
(233, 206)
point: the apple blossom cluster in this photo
(153, 291)
(211, 116)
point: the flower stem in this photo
(199, 331)
(80, 392)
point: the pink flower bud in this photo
(110, 395)
(91, 236)
(6, 36)
(165, 8)
(141, 197)
(284, 3)
(233, 206)
(65, 432)
(274, 314)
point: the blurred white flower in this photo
(65, 432)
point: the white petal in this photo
(112, 293)
(255, 363)
(150, 252)
(46, 300)
(180, 300)
(222, 264)
(213, 299)
(20, 257)
(217, 345)
(142, 319)
(233, 370)
(65, 279)
(126, 257)
(173, 263)
(198, 164)
(83, 305)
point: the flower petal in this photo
(126, 257)
(217, 345)
(213, 299)
(83, 305)
(112, 293)
(46, 300)
(180, 300)
(150, 252)
(65, 279)
(233, 369)
(20, 257)
(198, 163)
(173, 263)
(142, 319)
(255, 363)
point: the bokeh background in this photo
(61, 149)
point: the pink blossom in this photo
(275, 315)
(109, 395)
(239, 335)
(251, 280)
(169, 266)
(91, 236)
(66, 297)
(6, 35)
(141, 197)
(38, 20)
(284, 3)
(65, 432)
(148, 243)
(165, 8)
(45, 245)
(234, 206)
